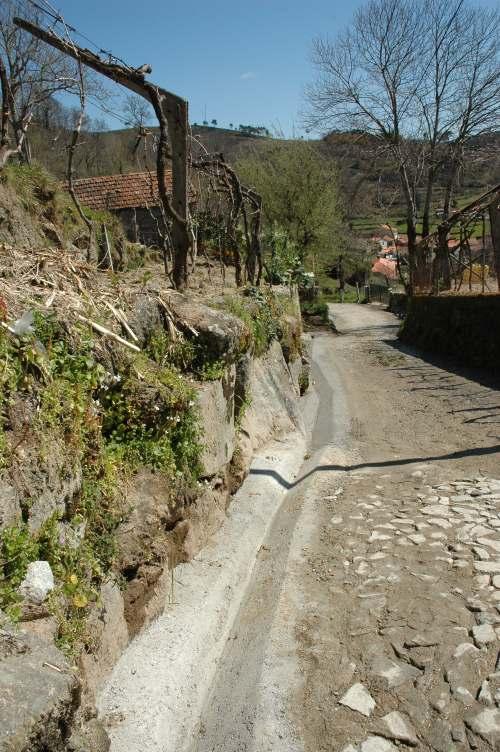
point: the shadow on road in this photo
(474, 452)
(434, 365)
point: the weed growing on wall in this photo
(263, 312)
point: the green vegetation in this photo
(184, 355)
(284, 264)
(300, 195)
(316, 307)
(263, 312)
(110, 423)
(241, 406)
(43, 198)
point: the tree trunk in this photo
(426, 216)
(176, 112)
(494, 210)
(411, 229)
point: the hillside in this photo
(368, 180)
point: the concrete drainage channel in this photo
(218, 670)
(156, 693)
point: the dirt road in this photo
(370, 621)
(372, 618)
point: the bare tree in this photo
(30, 75)
(423, 77)
(460, 100)
(367, 80)
(138, 113)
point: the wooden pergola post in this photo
(172, 113)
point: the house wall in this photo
(141, 225)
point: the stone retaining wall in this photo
(466, 327)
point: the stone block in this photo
(38, 694)
(216, 404)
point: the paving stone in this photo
(479, 530)
(486, 724)
(462, 694)
(359, 699)
(438, 736)
(489, 567)
(487, 617)
(417, 538)
(483, 634)
(393, 672)
(482, 580)
(475, 605)
(422, 641)
(402, 521)
(458, 734)
(435, 510)
(485, 697)
(491, 543)
(444, 524)
(377, 744)
(363, 568)
(376, 536)
(441, 703)
(480, 553)
(403, 542)
(399, 728)
(464, 648)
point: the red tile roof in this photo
(386, 267)
(112, 192)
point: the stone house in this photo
(133, 197)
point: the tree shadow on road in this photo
(451, 456)
(472, 390)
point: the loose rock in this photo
(400, 728)
(38, 583)
(358, 698)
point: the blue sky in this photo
(243, 62)
(235, 62)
